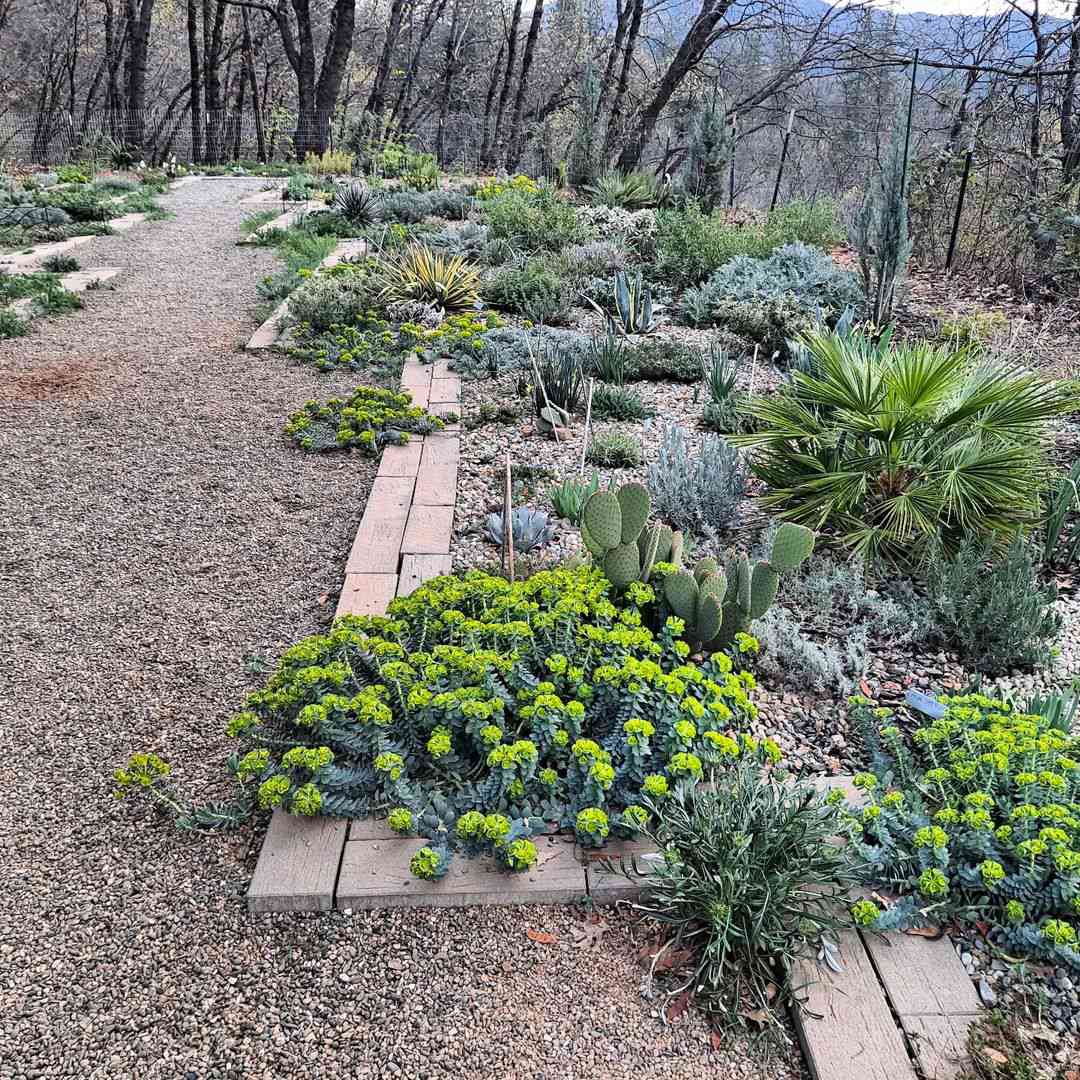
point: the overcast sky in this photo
(967, 7)
(970, 7)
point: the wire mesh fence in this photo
(458, 140)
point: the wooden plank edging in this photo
(301, 858)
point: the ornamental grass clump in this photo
(369, 419)
(976, 819)
(749, 878)
(535, 700)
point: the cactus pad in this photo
(663, 543)
(681, 592)
(622, 565)
(675, 555)
(593, 548)
(603, 518)
(704, 568)
(647, 545)
(635, 505)
(742, 583)
(792, 546)
(714, 585)
(764, 583)
(734, 622)
(710, 617)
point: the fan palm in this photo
(890, 448)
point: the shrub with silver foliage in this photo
(697, 493)
(818, 635)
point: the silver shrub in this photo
(700, 493)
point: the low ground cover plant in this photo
(974, 818)
(367, 420)
(480, 709)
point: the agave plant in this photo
(418, 273)
(357, 204)
(530, 528)
(633, 305)
(636, 190)
(893, 448)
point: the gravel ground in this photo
(154, 530)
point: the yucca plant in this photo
(636, 190)
(722, 410)
(890, 449)
(357, 204)
(418, 273)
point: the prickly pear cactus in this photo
(696, 598)
(792, 546)
(615, 530)
(751, 590)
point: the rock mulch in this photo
(1017, 987)
(155, 530)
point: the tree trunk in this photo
(335, 60)
(1070, 121)
(489, 103)
(508, 78)
(611, 130)
(377, 98)
(138, 14)
(698, 39)
(514, 138)
(256, 104)
(196, 83)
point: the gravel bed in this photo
(156, 530)
(1001, 983)
(539, 462)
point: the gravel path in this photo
(154, 530)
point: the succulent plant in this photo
(615, 530)
(357, 204)
(531, 528)
(717, 604)
(633, 303)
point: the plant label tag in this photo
(923, 703)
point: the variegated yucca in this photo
(418, 273)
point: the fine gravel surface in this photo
(155, 529)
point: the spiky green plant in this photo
(418, 273)
(357, 204)
(889, 448)
(633, 304)
(636, 190)
(568, 499)
(749, 880)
